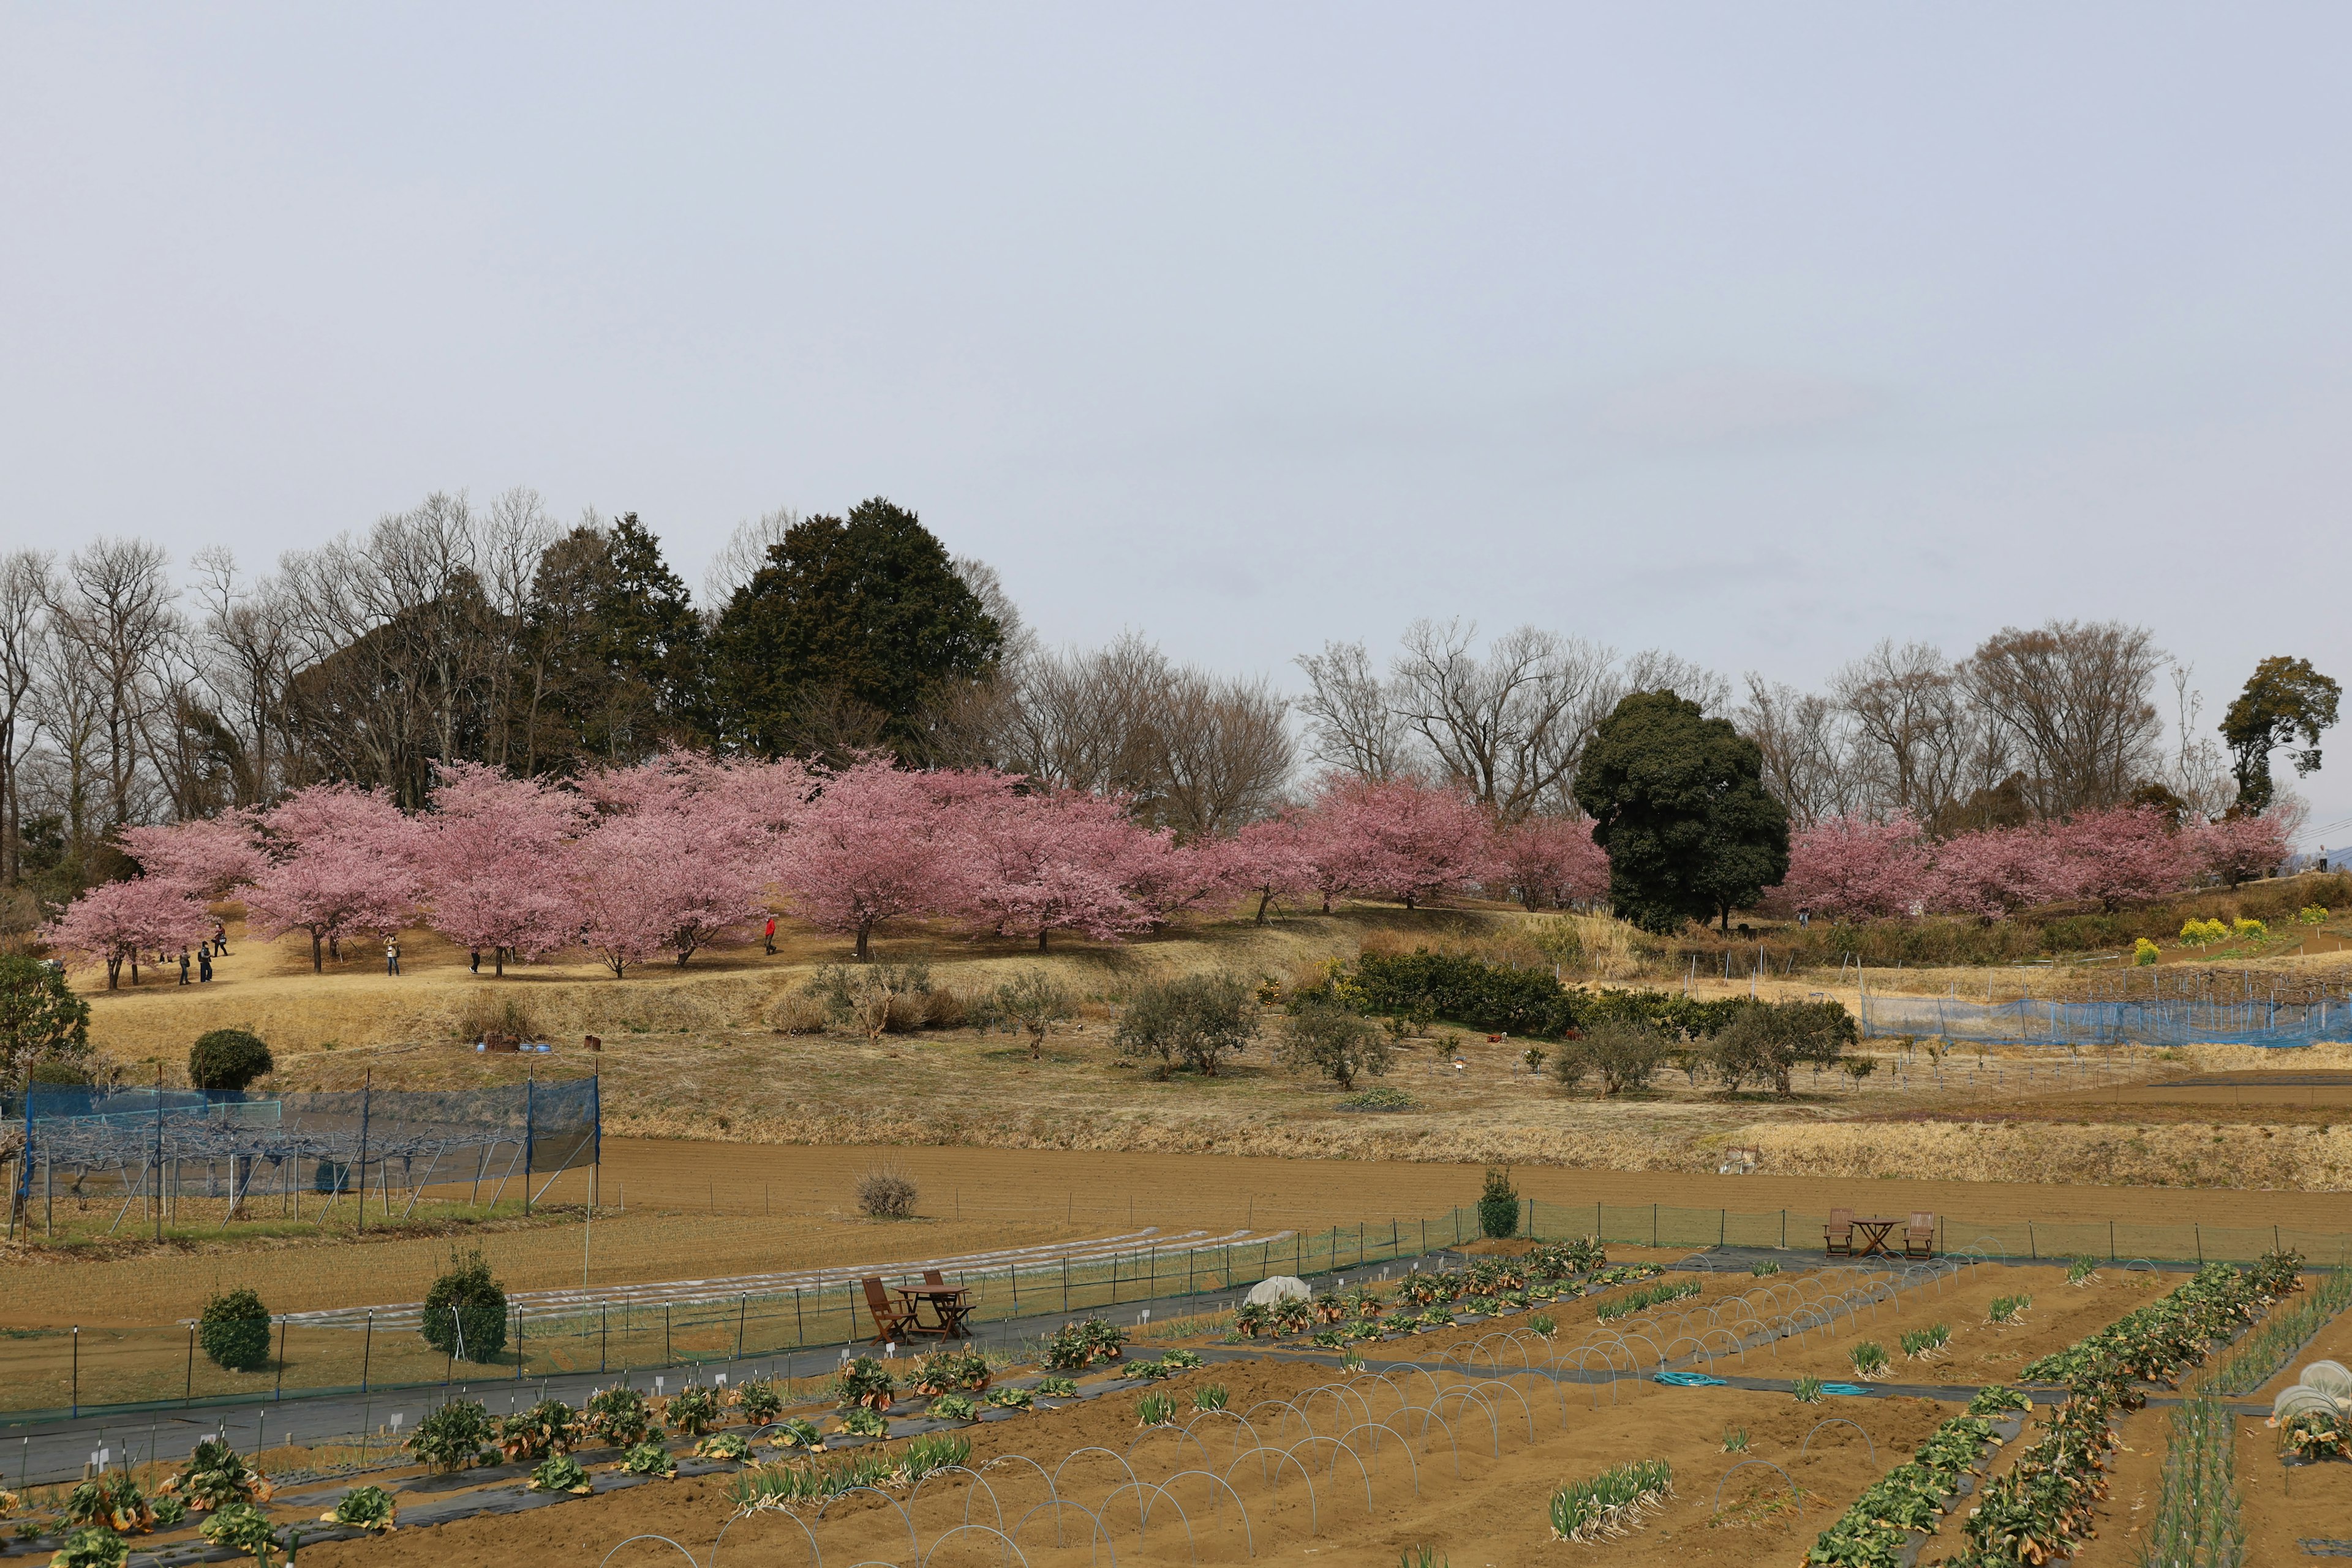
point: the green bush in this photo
(228, 1060)
(234, 1332)
(40, 1017)
(465, 1311)
(1498, 1207)
(1327, 1038)
(1196, 1022)
(454, 1435)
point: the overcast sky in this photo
(1756, 332)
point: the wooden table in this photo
(1876, 1232)
(946, 1301)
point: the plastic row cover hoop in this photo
(913, 1543)
(1200, 1416)
(1332, 1469)
(1143, 1512)
(1379, 1431)
(1167, 1429)
(1340, 1394)
(1024, 1460)
(1251, 1415)
(1838, 1421)
(1485, 1383)
(1494, 1427)
(974, 1528)
(915, 1495)
(1118, 1459)
(1274, 1479)
(1793, 1489)
(1395, 1423)
(665, 1539)
(1249, 1533)
(815, 1551)
(1057, 1504)
(1546, 1380)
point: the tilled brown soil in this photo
(1492, 1510)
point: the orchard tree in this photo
(493, 862)
(878, 843)
(1549, 860)
(1996, 871)
(1678, 802)
(2127, 854)
(116, 921)
(2237, 849)
(2285, 699)
(1059, 861)
(1765, 1040)
(1850, 867)
(1413, 840)
(841, 640)
(205, 857)
(340, 863)
(1270, 861)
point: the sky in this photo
(1757, 334)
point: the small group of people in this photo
(217, 943)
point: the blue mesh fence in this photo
(2145, 1022)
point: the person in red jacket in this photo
(771, 936)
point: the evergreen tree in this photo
(617, 659)
(845, 636)
(1678, 801)
(2283, 697)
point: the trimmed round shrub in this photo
(234, 1332)
(466, 1311)
(885, 1192)
(227, 1059)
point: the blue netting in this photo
(2145, 1022)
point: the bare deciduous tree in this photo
(2077, 698)
(1810, 761)
(1351, 726)
(1509, 727)
(26, 590)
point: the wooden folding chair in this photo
(933, 1277)
(1919, 1236)
(892, 1323)
(1837, 1236)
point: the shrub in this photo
(760, 1399)
(885, 1192)
(1498, 1206)
(465, 1311)
(864, 1380)
(692, 1411)
(1031, 1002)
(550, 1427)
(365, 1508)
(1624, 1054)
(560, 1475)
(40, 1017)
(227, 1059)
(1196, 1021)
(112, 1500)
(1075, 1346)
(1765, 1041)
(1324, 1037)
(454, 1435)
(215, 1476)
(617, 1417)
(234, 1332)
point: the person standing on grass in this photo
(204, 965)
(474, 961)
(220, 939)
(392, 955)
(770, 936)
(183, 966)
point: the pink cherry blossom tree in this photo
(1167, 878)
(1059, 861)
(2125, 855)
(116, 921)
(207, 857)
(1850, 867)
(650, 881)
(1549, 860)
(2234, 849)
(1269, 861)
(1998, 870)
(339, 861)
(879, 843)
(492, 856)
(1406, 838)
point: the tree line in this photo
(454, 635)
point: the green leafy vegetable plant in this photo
(618, 1417)
(724, 1446)
(559, 1474)
(649, 1459)
(364, 1508)
(453, 1437)
(797, 1433)
(241, 1527)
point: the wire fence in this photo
(166, 1151)
(46, 1374)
